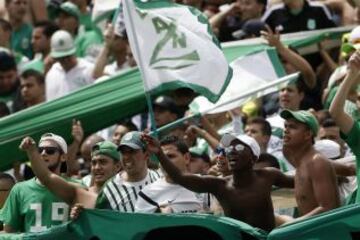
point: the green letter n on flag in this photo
(175, 47)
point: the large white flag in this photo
(175, 47)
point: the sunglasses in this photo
(49, 150)
(237, 147)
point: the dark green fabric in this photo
(108, 225)
(337, 224)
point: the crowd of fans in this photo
(303, 137)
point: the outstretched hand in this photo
(272, 38)
(152, 144)
(77, 131)
(27, 144)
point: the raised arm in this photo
(192, 182)
(64, 190)
(77, 133)
(298, 62)
(342, 119)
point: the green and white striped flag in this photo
(175, 47)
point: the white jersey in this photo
(162, 193)
(60, 83)
(120, 195)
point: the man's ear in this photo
(187, 158)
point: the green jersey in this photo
(353, 140)
(31, 207)
(21, 40)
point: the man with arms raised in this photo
(244, 195)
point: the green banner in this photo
(110, 225)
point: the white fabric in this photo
(175, 196)
(113, 68)
(59, 83)
(328, 148)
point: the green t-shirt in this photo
(353, 140)
(88, 42)
(85, 20)
(21, 40)
(31, 207)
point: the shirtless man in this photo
(245, 195)
(315, 181)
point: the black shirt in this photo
(312, 16)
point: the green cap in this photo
(70, 9)
(106, 148)
(304, 117)
(132, 140)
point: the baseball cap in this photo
(247, 140)
(351, 41)
(70, 9)
(250, 27)
(62, 44)
(55, 138)
(166, 103)
(133, 140)
(106, 148)
(328, 148)
(304, 117)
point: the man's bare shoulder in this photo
(319, 163)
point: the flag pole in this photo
(141, 65)
(244, 95)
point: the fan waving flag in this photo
(174, 47)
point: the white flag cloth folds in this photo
(251, 72)
(175, 47)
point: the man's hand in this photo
(77, 131)
(152, 144)
(109, 35)
(27, 144)
(272, 38)
(76, 210)
(354, 63)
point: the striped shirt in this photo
(120, 195)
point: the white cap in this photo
(247, 140)
(55, 138)
(62, 44)
(328, 148)
(354, 36)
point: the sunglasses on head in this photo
(49, 150)
(238, 147)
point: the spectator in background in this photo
(85, 13)
(199, 161)
(87, 42)
(6, 184)
(21, 31)
(121, 129)
(41, 37)
(165, 110)
(32, 89)
(297, 16)
(9, 83)
(116, 46)
(69, 73)
(232, 18)
(5, 34)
